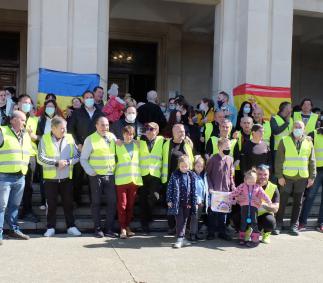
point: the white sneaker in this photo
(73, 231)
(178, 244)
(50, 232)
(43, 207)
(186, 243)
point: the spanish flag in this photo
(64, 85)
(268, 98)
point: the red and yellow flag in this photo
(268, 98)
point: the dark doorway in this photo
(133, 66)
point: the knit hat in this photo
(113, 90)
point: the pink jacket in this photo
(240, 195)
(113, 110)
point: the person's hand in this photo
(282, 182)
(169, 204)
(310, 183)
(235, 135)
(31, 134)
(79, 147)
(62, 164)
(69, 112)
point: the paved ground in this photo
(151, 259)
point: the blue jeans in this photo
(309, 200)
(11, 192)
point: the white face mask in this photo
(131, 118)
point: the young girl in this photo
(201, 188)
(115, 107)
(181, 198)
(249, 195)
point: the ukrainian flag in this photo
(268, 98)
(64, 85)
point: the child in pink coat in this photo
(249, 196)
(114, 108)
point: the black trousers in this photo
(28, 191)
(78, 181)
(266, 222)
(100, 185)
(147, 198)
(252, 214)
(65, 190)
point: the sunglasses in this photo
(149, 129)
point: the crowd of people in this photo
(185, 157)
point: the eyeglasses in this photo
(149, 129)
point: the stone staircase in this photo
(85, 224)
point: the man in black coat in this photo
(151, 112)
(81, 125)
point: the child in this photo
(250, 196)
(114, 108)
(220, 171)
(181, 198)
(201, 188)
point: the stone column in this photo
(252, 43)
(67, 35)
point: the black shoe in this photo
(18, 235)
(145, 229)
(111, 234)
(210, 237)
(224, 236)
(98, 233)
(293, 231)
(193, 238)
(171, 231)
(30, 217)
(252, 244)
(276, 231)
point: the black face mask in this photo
(220, 103)
(226, 151)
(320, 131)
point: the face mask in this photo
(246, 110)
(89, 102)
(220, 103)
(172, 107)
(163, 109)
(50, 111)
(202, 107)
(226, 151)
(298, 132)
(26, 107)
(131, 118)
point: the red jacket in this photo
(114, 108)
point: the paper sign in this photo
(220, 202)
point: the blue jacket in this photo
(201, 188)
(175, 185)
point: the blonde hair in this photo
(199, 159)
(222, 141)
(252, 173)
(183, 159)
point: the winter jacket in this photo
(114, 108)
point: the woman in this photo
(245, 110)
(76, 104)
(127, 178)
(206, 114)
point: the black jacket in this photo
(81, 125)
(117, 127)
(151, 112)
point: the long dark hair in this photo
(56, 108)
(240, 113)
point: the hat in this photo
(113, 90)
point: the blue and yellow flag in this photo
(64, 85)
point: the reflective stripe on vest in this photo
(14, 158)
(189, 152)
(311, 123)
(32, 123)
(267, 132)
(50, 172)
(270, 190)
(127, 168)
(208, 132)
(280, 121)
(296, 163)
(102, 157)
(318, 146)
(151, 162)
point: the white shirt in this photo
(48, 125)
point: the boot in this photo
(242, 236)
(254, 240)
(265, 237)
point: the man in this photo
(225, 132)
(258, 117)
(98, 94)
(222, 104)
(98, 161)
(317, 137)
(213, 129)
(151, 155)
(151, 112)
(6, 107)
(295, 167)
(57, 153)
(15, 147)
(82, 124)
(25, 105)
(173, 149)
(129, 120)
(307, 116)
(266, 219)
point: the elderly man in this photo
(258, 117)
(213, 129)
(57, 153)
(98, 161)
(173, 149)
(295, 167)
(151, 112)
(15, 149)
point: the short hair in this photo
(183, 159)
(197, 159)
(227, 121)
(256, 127)
(251, 173)
(97, 87)
(79, 99)
(172, 98)
(225, 94)
(16, 113)
(222, 141)
(263, 167)
(209, 102)
(283, 105)
(128, 130)
(2, 89)
(21, 96)
(306, 99)
(87, 91)
(246, 117)
(99, 118)
(56, 121)
(48, 95)
(130, 106)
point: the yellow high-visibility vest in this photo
(267, 132)
(270, 190)
(102, 157)
(166, 146)
(151, 162)
(311, 123)
(50, 172)
(208, 132)
(280, 121)
(215, 145)
(296, 163)
(127, 168)
(318, 147)
(14, 157)
(32, 123)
